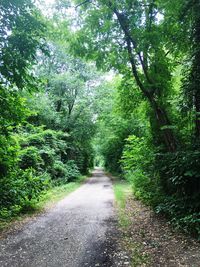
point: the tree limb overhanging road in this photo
(72, 234)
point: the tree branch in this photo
(123, 23)
(83, 3)
(134, 70)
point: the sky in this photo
(45, 5)
(46, 8)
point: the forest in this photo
(109, 83)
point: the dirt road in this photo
(72, 234)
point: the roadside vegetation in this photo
(122, 190)
(147, 238)
(46, 201)
(115, 83)
(46, 109)
(149, 130)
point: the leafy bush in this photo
(146, 189)
(169, 182)
(63, 173)
(59, 171)
(137, 155)
(30, 158)
(73, 172)
(180, 171)
(9, 149)
(112, 151)
(19, 189)
(36, 140)
(48, 156)
(183, 212)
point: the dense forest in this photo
(106, 83)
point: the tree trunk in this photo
(164, 125)
(196, 73)
(197, 109)
(162, 119)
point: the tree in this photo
(128, 36)
(21, 34)
(190, 17)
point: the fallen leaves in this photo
(150, 241)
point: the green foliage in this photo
(183, 213)
(42, 143)
(137, 154)
(168, 182)
(180, 171)
(21, 33)
(30, 157)
(8, 153)
(59, 171)
(72, 170)
(19, 189)
(63, 173)
(144, 124)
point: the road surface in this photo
(79, 231)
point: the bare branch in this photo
(83, 3)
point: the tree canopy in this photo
(111, 83)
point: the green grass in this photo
(46, 200)
(57, 193)
(122, 190)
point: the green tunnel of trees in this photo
(110, 83)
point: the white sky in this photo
(45, 5)
(47, 2)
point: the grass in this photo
(57, 193)
(122, 190)
(47, 200)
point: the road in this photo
(77, 232)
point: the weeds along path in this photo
(77, 232)
(151, 241)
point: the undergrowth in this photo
(46, 200)
(123, 191)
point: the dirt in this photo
(152, 242)
(83, 230)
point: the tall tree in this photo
(21, 34)
(190, 17)
(128, 34)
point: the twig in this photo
(84, 2)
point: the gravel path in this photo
(72, 234)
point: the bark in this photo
(160, 113)
(196, 73)
(163, 121)
(161, 117)
(197, 109)
(59, 105)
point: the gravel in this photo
(79, 231)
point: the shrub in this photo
(64, 173)
(172, 190)
(36, 140)
(59, 171)
(72, 170)
(137, 155)
(9, 149)
(145, 188)
(30, 158)
(180, 171)
(19, 189)
(48, 156)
